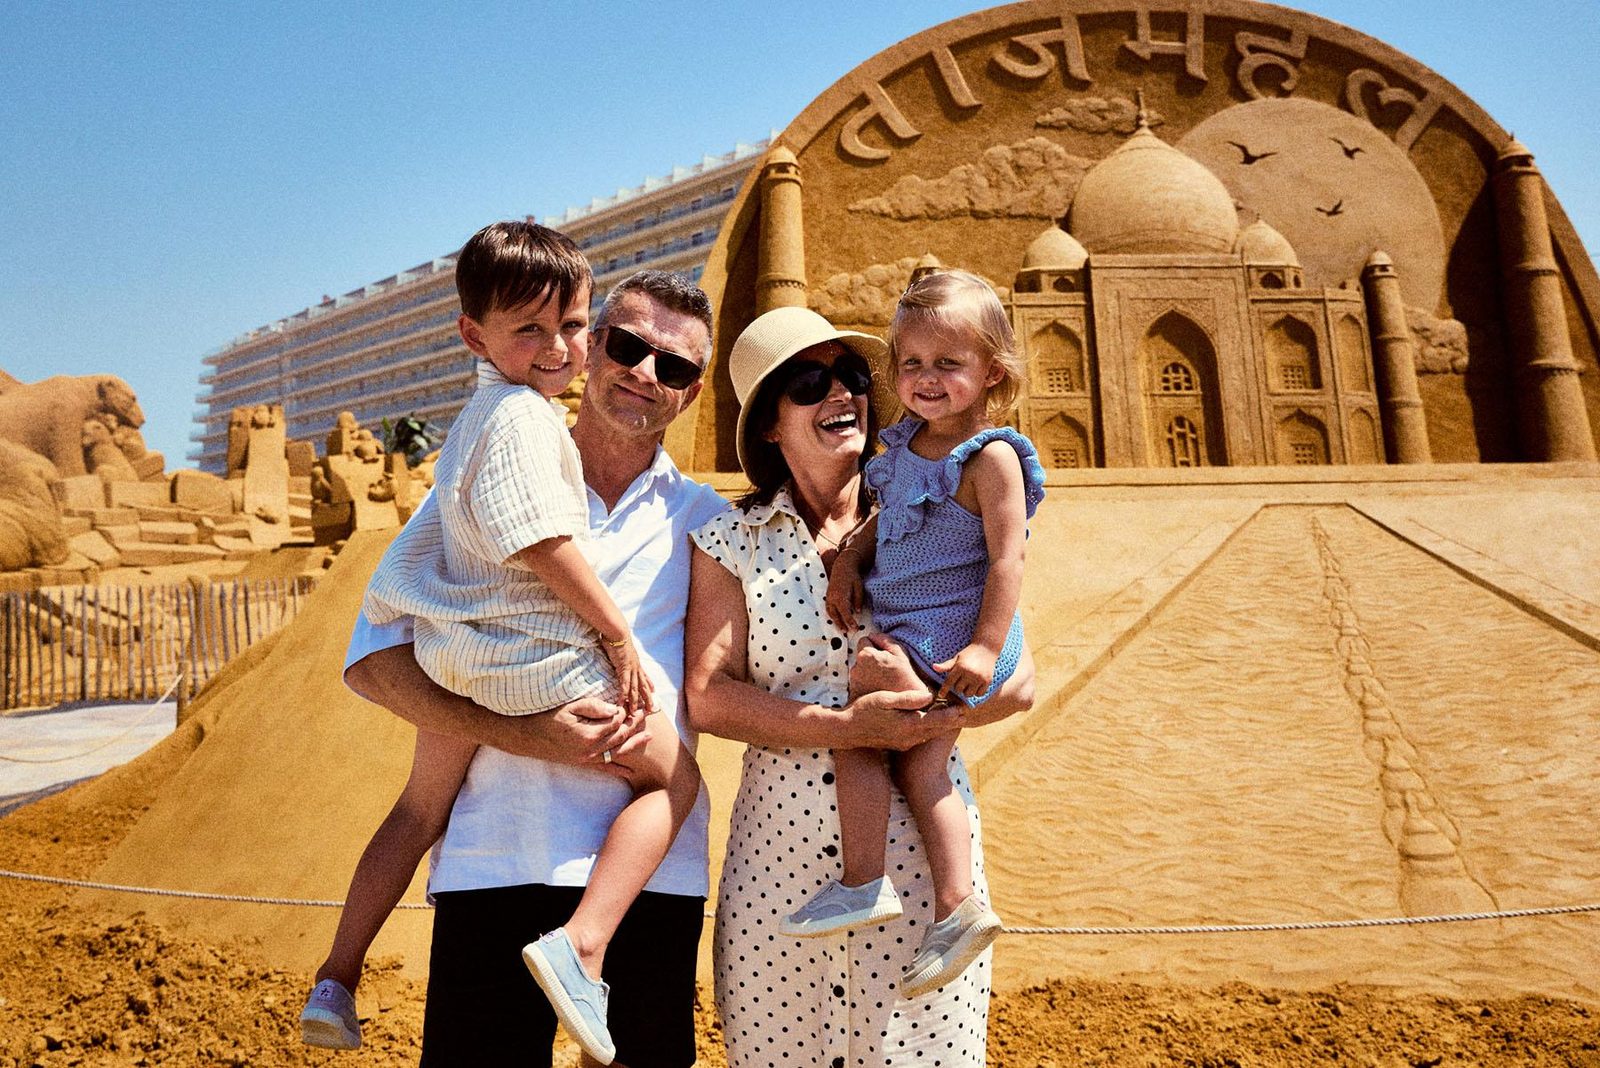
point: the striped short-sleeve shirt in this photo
(508, 477)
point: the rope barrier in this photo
(1309, 925)
(113, 740)
(195, 895)
(1219, 928)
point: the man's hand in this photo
(578, 733)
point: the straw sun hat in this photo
(781, 333)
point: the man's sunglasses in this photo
(809, 382)
(629, 349)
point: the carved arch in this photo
(1293, 364)
(1302, 439)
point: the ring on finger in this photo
(606, 756)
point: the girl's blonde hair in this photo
(960, 303)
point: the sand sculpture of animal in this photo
(30, 522)
(101, 455)
(47, 417)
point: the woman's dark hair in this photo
(764, 464)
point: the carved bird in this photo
(1337, 209)
(1248, 157)
(1349, 150)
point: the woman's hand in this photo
(898, 720)
(845, 595)
(634, 690)
(969, 672)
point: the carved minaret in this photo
(781, 270)
(1405, 427)
(1550, 413)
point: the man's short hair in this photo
(508, 264)
(671, 289)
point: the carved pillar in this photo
(781, 270)
(1405, 427)
(1551, 417)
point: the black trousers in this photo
(485, 1010)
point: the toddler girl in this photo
(943, 564)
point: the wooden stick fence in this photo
(110, 643)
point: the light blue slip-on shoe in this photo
(329, 1019)
(837, 907)
(579, 1001)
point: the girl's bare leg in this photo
(666, 781)
(923, 775)
(861, 778)
(438, 766)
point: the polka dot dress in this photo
(831, 1002)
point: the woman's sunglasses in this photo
(629, 349)
(809, 381)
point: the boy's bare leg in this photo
(438, 766)
(861, 778)
(666, 781)
(923, 774)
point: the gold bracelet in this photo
(618, 644)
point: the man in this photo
(532, 811)
(537, 799)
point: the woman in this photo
(765, 667)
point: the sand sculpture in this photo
(1223, 233)
(30, 520)
(353, 487)
(1346, 691)
(109, 502)
(48, 417)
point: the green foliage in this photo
(411, 435)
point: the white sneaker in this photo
(949, 946)
(329, 1018)
(837, 907)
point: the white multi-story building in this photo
(390, 349)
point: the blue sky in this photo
(174, 174)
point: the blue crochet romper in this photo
(926, 585)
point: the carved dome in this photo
(1147, 197)
(1054, 250)
(1263, 246)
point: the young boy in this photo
(518, 622)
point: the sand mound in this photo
(289, 777)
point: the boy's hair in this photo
(671, 289)
(508, 264)
(960, 303)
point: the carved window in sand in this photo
(1355, 366)
(1183, 443)
(1183, 417)
(1064, 442)
(1058, 361)
(1292, 355)
(1177, 377)
(1302, 440)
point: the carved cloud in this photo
(1442, 344)
(866, 297)
(1097, 115)
(1031, 179)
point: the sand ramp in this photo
(293, 774)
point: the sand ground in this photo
(1260, 702)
